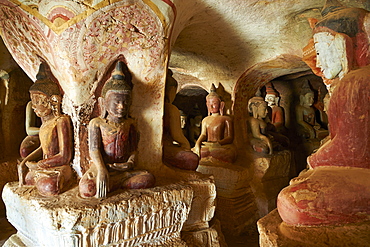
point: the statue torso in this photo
(118, 140)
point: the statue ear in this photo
(222, 106)
(55, 101)
(312, 22)
(344, 47)
(254, 111)
(277, 100)
(301, 99)
(102, 108)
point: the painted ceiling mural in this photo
(80, 41)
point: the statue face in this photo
(262, 110)
(117, 103)
(213, 105)
(270, 99)
(40, 104)
(329, 58)
(183, 121)
(308, 99)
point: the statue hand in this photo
(196, 149)
(102, 181)
(122, 166)
(212, 144)
(32, 165)
(22, 170)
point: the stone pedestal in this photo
(236, 208)
(211, 237)
(149, 217)
(270, 176)
(274, 232)
(197, 230)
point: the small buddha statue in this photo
(195, 125)
(305, 114)
(176, 148)
(257, 106)
(217, 132)
(276, 115)
(336, 188)
(48, 167)
(184, 123)
(112, 143)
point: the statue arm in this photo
(300, 121)
(98, 167)
(30, 121)
(175, 128)
(202, 137)
(256, 133)
(228, 133)
(64, 156)
(278, 117)
(22, 168)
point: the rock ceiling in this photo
(217, 41)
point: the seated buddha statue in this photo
(48, 166)
(336, 188)
(259, 140)
(305, 113)
(176, 148)
(112, 143)
(217, 132)
(276, 115)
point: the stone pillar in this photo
(80, 43)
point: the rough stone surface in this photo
(273, 232)
(8, 174)
(271, 174)
(233, 195)
(150, 217)
(209, 237)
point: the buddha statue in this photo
(184, 123)
(217, 132)
(305, 114)
(195, 125)
(259, 140)
(276, 115)
(48, 166)
(113, 142)
(336, 188)
(176, 148)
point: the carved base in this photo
(274, 232)
(271, 175)
(236, 208)
(209, 237)
(149, 217)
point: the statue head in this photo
(116, 94)
(306, 95)
(170, 87)
(272, 96)
(334, 51)
(214, 102)
(183, 119)
(45, 95)
(257, 106)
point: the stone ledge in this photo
(149, 217)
